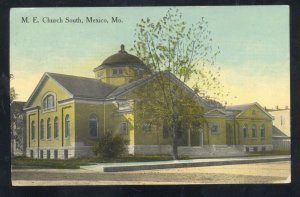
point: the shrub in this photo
(110, 146)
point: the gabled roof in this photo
(76, 87)
(131, 86)
(218, 112)
(277, 133)
(83, 87)
(242, 108)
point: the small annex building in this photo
(66, 114)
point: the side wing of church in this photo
(66, 114)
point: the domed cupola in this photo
(120, 68)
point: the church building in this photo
(66, 114)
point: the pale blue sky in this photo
(254, 44)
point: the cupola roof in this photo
(121, 59)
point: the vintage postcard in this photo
(150, 95)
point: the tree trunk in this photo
(175, 142)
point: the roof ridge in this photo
(50, 73)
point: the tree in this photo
(172, 47)
(17, 121)
(110, 146)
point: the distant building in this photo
(281, 131)
(67, 114)
(18, 128)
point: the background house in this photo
(281, 131)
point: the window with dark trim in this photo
(33, 130)
(49, 102)
(48, 154)
(254, 131)
(124, 128)
(42, 129)
(245, 131)
(67, 126)
(214, 129)
(41, 154)
(147, 127)
(262, 131)
(55, 127)
(48, 128)
(93, 126)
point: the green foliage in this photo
(110, 146)
(186, 50)
(171, 46)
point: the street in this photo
(273, 172)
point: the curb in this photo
(189, 164)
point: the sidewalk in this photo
(133, 166)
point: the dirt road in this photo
(274, 172)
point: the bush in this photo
(110, 146)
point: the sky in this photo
(253, 40)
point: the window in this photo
(42, 129)
(93, 126)
(165, 130)
(66, 154)
(124, 128)
(49, 102)
(147, 127)
(48, 128)
(31, 153)
(254, 131)
(55, 154)
(245, 131)
(214, 129)
(262, 131)
(32, 130)
(117, 71)
(48, 154)
(55, 127)
(67, 126)
(41, 154)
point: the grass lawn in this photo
(28, 163)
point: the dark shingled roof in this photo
(83, 87)
(239, 107)
(122, 58)
(128, 87)
(277, 133)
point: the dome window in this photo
(117, 72)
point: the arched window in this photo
(262, 131)
(254, 131)
(67, 126)
(48, 128)
(124, 128)
(42, 129)
(93, 126)
(33, 130)
(55, 127)
(49, 102)
(245, 131)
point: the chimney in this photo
(276, 107)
